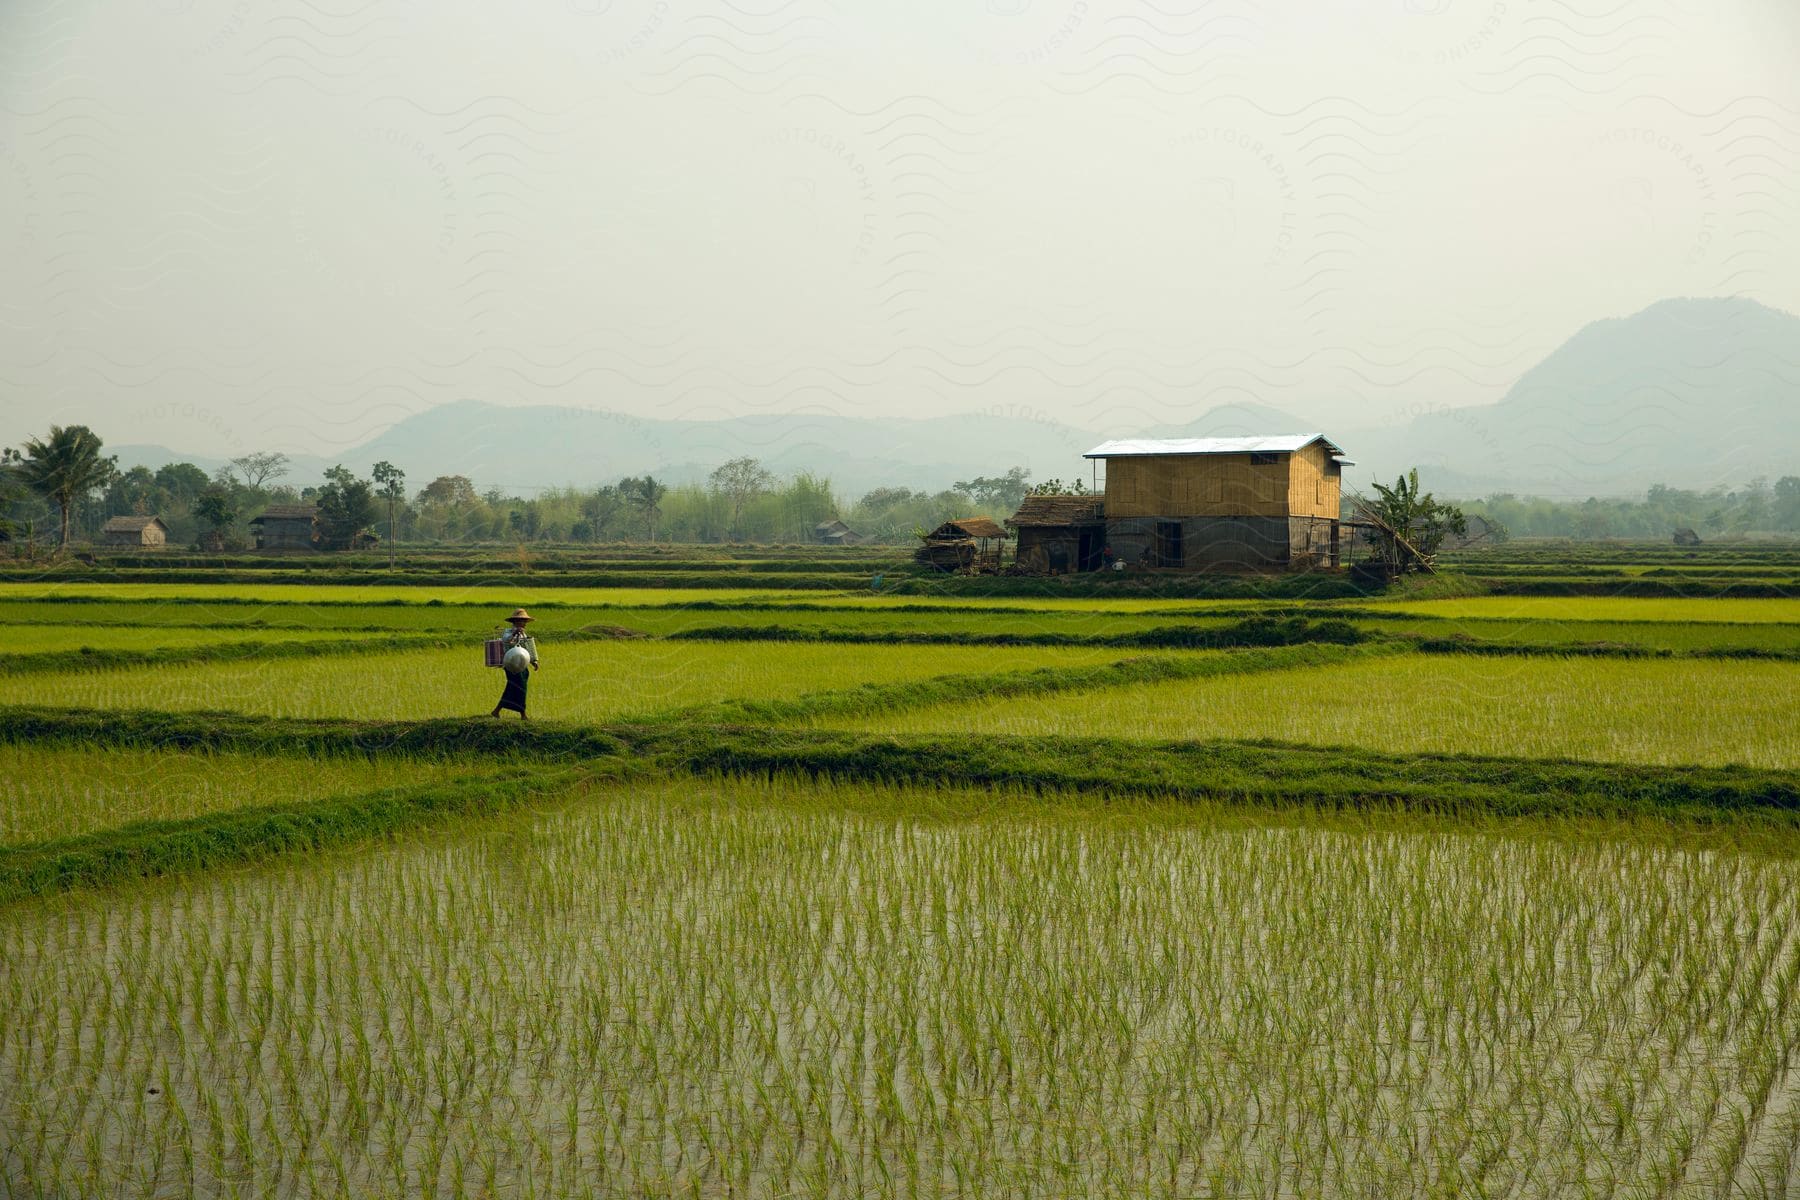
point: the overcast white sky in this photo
(228, 225)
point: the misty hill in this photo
(526, 447)
(520, 448)
(1690, 393)
(536, 445)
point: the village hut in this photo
(1058, 534)
(136, 532)
(967, 544)
(835, 533)
(285, 527)
(1237, 503)
(1686, 537)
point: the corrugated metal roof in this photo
(1274, 443)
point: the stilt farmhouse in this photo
(1195, 504)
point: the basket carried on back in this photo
(494, 649)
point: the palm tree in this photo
(10, 492)
(63, 468)
(393, 489)
(645, 495)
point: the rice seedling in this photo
(57, 792)
(583, 681)
(782, 989)
(1649, 711)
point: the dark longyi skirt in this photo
(514, 695)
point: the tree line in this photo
(62, 487)
(1759, 507)
(740, 501)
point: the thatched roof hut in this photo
(134, 531)
(969, 527)
(965, 544)
(1054, 511)
(1058, 534)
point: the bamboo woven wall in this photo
(1314, 483)
(1196, 485)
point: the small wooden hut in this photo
(969, 544)
(285, 527)
(1058, 534)
(135, 532)
(835, 533)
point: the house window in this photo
(1264, 460)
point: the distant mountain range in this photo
(1691, 393)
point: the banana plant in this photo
(1411, 525)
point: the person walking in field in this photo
(520, 651)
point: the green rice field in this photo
(1611, 710)
(811, 891)
(580, 681)
(1600, 608)
(787, 989)
(1551, 633)
(140, 637)
(325, 592)
(56, 792)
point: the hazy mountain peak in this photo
(1691, 391)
